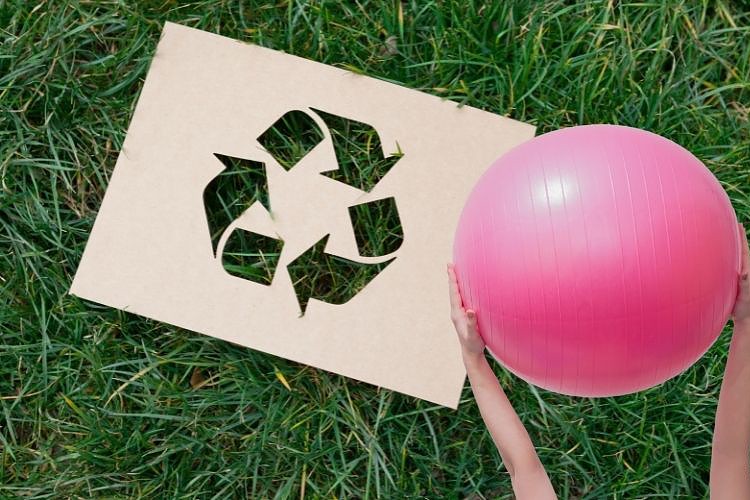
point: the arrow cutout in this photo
(359, 154)
(234, 190)
(327, 277)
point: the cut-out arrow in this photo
(234, 190)
(327, 277)
(251, 256)
(291, 137)
(314, 273)
(377, 227)
(358, 152)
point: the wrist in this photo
(742, 325)
(741, 336)
(472, 357)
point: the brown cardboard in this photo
(150, 251)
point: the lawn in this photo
(96, 402)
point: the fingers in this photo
(455, 296)
(465, 320)
(471, 321)
(745, 267)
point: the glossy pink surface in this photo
(601, 260)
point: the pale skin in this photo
(730, 467)
(527, 474)
(730, 464)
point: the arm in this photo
(730, 467)
(527, 474)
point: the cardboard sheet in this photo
(208, 98)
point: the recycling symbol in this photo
(243, 185)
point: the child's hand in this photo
(527, 474)
(464, 321)
(741, 312)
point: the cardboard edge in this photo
(169, 26)
(424, 95)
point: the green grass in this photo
(96, 402)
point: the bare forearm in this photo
(732, 428)
(529, 479)
(730, 469)
(506, 429)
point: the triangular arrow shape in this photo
(330, 278)
(358, 152)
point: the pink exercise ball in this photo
(601, 260)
